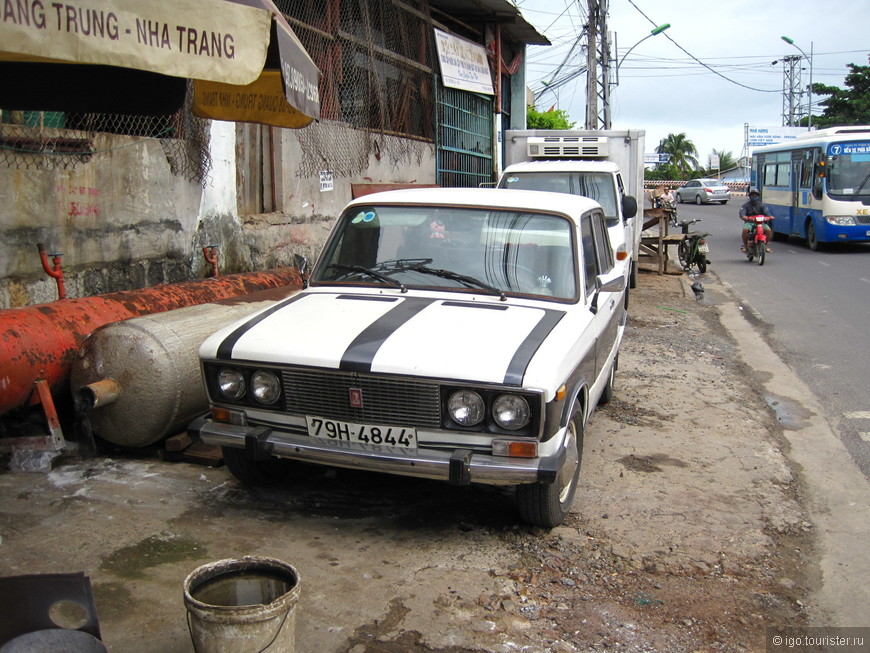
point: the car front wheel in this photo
(547, 504)
(679, 198)
(698, 200)
(249, 471)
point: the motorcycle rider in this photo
(753, 206)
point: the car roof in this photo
(572, 206)
(563, 165)
(707, 181)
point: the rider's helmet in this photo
(754, 191)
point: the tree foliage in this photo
(849, 106)
(551, 119)
(684, 155)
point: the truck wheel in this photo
(632, 276)
(547, 504)
(251, 472)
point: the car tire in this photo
(607, 393)
(249, 471)
(812, 237)
(679, 198)
(548, 504)
(698, 200)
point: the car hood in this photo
(474, 340)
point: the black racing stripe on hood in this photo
(225, 349)
(522, 357)
(361, 352)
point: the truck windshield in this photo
(849, 169)
(594, 185)
(498, 251)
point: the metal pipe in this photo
(40, 341)
(55, 273)
(209, 253)
(100, 393)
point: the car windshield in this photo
(594, 185)
(849, 171)
(494, 251)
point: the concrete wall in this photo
(123, 220)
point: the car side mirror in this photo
(629, 207)
(301, 264)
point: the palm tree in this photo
(684, 156)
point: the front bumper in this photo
(457, 466)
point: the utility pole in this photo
(597, 67)
(791, 90)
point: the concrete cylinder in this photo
(152, 365)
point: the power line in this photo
(695, 59)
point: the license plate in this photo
(704, 248)
(364, 434)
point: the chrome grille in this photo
(403, 402)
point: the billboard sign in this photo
(758, 136)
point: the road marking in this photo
(863, 279)
(827, 265)
(861, 414)
(864, 436)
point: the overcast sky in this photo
(664, 85)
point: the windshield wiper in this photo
(860, 186)
(372, 273)
(455, 276)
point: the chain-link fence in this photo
(47, 140)
(378, 63)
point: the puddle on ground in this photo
(131, 561)
(790, 414)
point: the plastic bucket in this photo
(242, 605)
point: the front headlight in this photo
(466, 407)
(231, 383)
(841, 220)
(265, 387)
(511, 412)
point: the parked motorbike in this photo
(693, 248)
(756, 246)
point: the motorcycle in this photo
(693, 248)
(756, 246)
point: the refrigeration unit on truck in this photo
(604, 165)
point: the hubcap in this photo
(572, 460)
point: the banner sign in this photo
(464, 64)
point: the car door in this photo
(606, 306)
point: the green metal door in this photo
(464, 140)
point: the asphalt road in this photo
(814, 308)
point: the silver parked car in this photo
(701, 191)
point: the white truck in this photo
(604, 165)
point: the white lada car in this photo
(456, 334)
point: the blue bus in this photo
(817, 186)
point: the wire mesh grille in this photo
(378, 64)
(45, 140)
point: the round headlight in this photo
(265, 387)
(511, 412)
(231, 383)
(466, 407)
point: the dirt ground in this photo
(688, 532)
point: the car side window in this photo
(603, 251)
(590, 264)
(597, 253)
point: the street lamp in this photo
(810, 87)
(654, 32)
